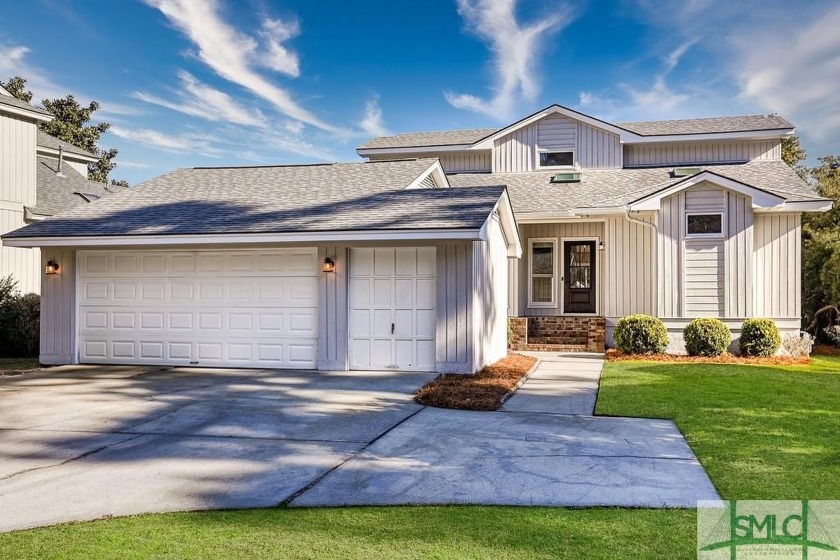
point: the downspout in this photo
(655, 229)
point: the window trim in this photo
(542, 304)
(556, 150)
(721, 234)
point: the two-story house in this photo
(416, 258)
(677, 219)
(40, 176)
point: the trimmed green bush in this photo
(760, 337)
(19, 321)
(640, 334)
(706, 337)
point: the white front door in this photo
(393, 308)
(249, 308)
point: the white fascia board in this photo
(773, 134)
(800, 206)
(507, 219)
(438, 176)
(487, 143)
(20, 112)
(760, 198)
(71, 156)
(244, 238)
(364, 152)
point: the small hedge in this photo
(640, 334)
(760, 337)
(19, 321)
(706, 337)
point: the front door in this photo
(579, 277)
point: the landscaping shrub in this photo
(640, 334)
(760, 337)
(19, 321)
(706, 337)
(799, 345)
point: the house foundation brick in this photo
(563, 333)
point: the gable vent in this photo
(685, 171)
(566, 178)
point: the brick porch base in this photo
(569, 334)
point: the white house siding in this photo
(630, 262)
(490, 297)
(594, 148)
(58, 308)
(452, 162)
(332, 310)
(778, 288)
(519, 289)
(79, 166)
(17, 189)
(693, 153)
(738, 254)
(704, 278)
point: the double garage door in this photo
(210, 308)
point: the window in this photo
(541, 274)
(564, 158)
(699, 225)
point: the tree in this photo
(794, 154)
(71, 124)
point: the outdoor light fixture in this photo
(329, 265)
(601, 245)
(52, 267)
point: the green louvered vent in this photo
(566, 178)
(685, 171)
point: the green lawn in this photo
(761, 432)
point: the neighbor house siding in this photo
(630, 278)
(58, 308)
(23, 264)
(490, 296)
(594, 148)
(457, 162)
(700, 152)
(17, 149)
(557, 231)
(778, 253)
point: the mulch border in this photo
(613, 355)
(521, 382)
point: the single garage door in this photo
(254, 308)
(392, 308)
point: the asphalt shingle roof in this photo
(58, 193)
(533, 191)
(331, 197)
(645, 128)
(15, 102)
(47, 141)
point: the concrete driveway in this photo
(84, 442)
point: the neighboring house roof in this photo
(747, 123)
(57, 194)
(436, 138)
(603, 188)
(282, 199)
(16, 105)
(53, 143)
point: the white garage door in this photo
(392, 308)
(208, 308)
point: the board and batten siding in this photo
(630, 262)
(58, 308)
(594, 148)
(333, 310)
(490, 296)
(17, 149)
(23, 264)
(558, 231)
(777, 268)
(457, 162)
(701, 152)
(706, 277)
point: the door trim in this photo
(597, 270)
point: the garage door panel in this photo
(205, 308)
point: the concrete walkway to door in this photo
(564, 383)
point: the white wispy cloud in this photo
(180, 143)
(236, 56)
(277, 56)
(197, 99)
(514, 48)
(372, 123)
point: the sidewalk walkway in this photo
(564, 383)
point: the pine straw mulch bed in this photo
(726, 358)
(485, 390)
(825, 350)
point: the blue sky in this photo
(239, 82)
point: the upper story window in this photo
(557, 158)
(704, 225)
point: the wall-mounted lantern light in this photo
(601, 246)
(329, 265)
(51, 268)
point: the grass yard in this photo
(760, 431)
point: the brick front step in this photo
(557, 333)
(567, 340)
(555, 348)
